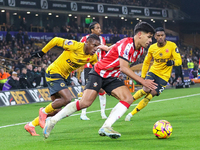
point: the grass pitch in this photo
(179, 106)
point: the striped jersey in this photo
(109, 66)
(100, 53)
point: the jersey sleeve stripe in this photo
(123, 58)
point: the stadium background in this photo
(44, 19)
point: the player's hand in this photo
(150, 84)
(103, 47)
(37, 54)
(170, 63)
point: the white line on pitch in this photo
(110, 108)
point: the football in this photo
(162, 129)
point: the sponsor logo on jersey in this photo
(177, 50)
(72, 63)
(68, 42)
(160, 54)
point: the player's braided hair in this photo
(143, 26)
(91, 26)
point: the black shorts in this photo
(96, 82)
(161, 83)
(56, 85)
(86, 74)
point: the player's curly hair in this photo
(91, 26)
(93, 36)
(159, 29)
(143, 26)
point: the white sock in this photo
(115, 114)
(65, 112)
(102, 99)
(83, 112)
(43, 110)
(30, 124)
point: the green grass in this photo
(73, 134)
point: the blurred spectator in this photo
(20, 64)
(30, 73)
(17, 70)
(19, 38)
(3, 77)
(190, 65)
(26, 38)
(12, 83)
(23, 24)
(48, 28)
(8, 37)
(24, 83)
(36, 76)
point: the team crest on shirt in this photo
(88, 59)
(160, 54)
(68, 42)
(51, 84)
(62, 84)
(95, 84)
(167, 50)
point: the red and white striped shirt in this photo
(100, 53)
(125, 49)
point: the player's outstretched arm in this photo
(124, 67)
(54, 42)
(105, 47)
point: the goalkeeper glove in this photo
(170, 63)
(37, 54)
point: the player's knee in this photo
(66, 101)
(153, 93)
(84, 105)
(147, 90)
(129, 99)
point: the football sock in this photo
(142, 104)
(102, 99)
(83, 111)
(48, 109)
(116, 113)
(35, 122)
(139, 94)
(67, 111)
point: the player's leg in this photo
(87, 99)
(90, 93)
(102, 99)
(175, 79)
(63, 100)
(83, 115)
(30, 127)
(122, 93)
(143, 103)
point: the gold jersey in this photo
(161, 55)
(72, 57)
